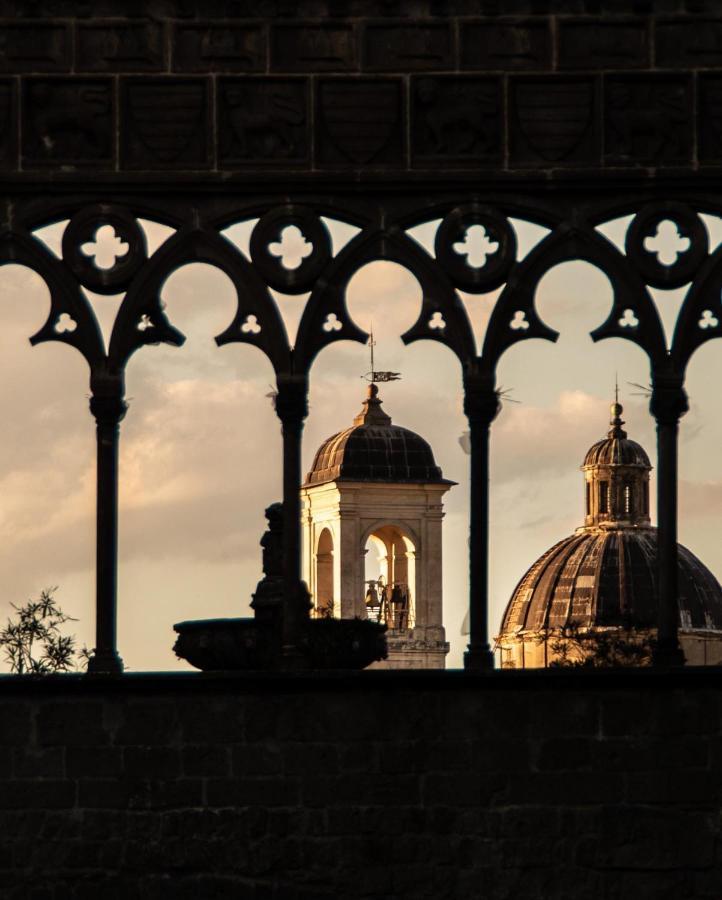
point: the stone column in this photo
(351, 566)
(292, 409)
(308, 545)
(433, 568)
(108, 406)
(481, 405)
(668, 405)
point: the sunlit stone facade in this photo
(374, 495)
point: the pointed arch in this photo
(702, 306)
(323, 558)
(392, 523)
(66, 297)
(192, 246)
(566, 244)
(329, 297)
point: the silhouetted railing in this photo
(383, 223)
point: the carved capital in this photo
(107, 403)
(481, 401)
(292, 398)
(669, 399)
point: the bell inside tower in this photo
(390, 578)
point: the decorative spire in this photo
(371, 412)
(616, 410)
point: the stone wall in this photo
(372, 785)
(394, 87)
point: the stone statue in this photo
(268, 598)
(272, 541)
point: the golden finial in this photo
(616, 410)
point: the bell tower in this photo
(372, 526)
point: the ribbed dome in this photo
(373, 449)
(616, 449)
(607, 578)
(605, 574)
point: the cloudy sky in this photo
(201, 447)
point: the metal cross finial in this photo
(373, 376)
(616, 389)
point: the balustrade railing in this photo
(383, 227)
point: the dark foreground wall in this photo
(303, 88)
(373, 785)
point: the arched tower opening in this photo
(324, 592)
(390, 577)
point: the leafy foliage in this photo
(575, 647)
(33, 642)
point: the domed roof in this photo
(373, 449)
(616, 449)
(607, 578)
(604, 575)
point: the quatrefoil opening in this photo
(290, 247)
(104, 246)
(667, 243)
(476, 246)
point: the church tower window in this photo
(604, 496)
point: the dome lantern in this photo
(616, 479)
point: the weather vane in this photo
(373, 376)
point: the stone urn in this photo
(247, 644)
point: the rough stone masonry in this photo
(229, 87)
(367, 785)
